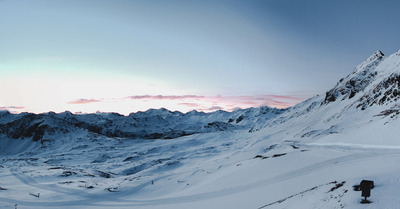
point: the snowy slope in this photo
(365, 98)
(308, 156)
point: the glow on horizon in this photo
(81, 95)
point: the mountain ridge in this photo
(151, 124)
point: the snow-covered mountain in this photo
(368, 95)
(151, 124)
(357, 81)
(306, 156)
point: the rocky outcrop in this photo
(357, 81)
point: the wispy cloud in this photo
(11, 108)
(219, 102)
(216, 98)
(189, 102)
(165, 97)
(84, 101)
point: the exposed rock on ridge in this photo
(357, 81)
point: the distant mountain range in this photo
(151, 124)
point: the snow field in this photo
(233, 178)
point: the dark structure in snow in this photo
(365, 187)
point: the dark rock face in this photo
(219, 126)
(385, 92)
(33, 126)
(357, 81)
(376, 81)
(19, 128)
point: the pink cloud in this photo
(283, 97)
(202, 102)
(249, 102)
(11, 108)
(84, 101)
(280, 101)
(165, 97)
(189, 104)
(206, 102)
(280, 104)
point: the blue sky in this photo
(125, 56)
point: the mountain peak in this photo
(4, 112)
(375, 56)
(378, 54)
(369, 64)
(357, 81)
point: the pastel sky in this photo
(126, 55)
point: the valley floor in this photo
(217, 170)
